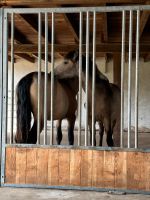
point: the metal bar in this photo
(77, 9)
(52, 82)
(129, 78)
(46, 77)
(80, 78)
(1, 81)
(122, 77)
(137, 78)
(118, 149)
(12, 79)
(93, 78)
(114, 191)
(87, 77)
(39, 78)
(5, 94)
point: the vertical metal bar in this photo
(39, 77)
(122, 75)
(52, 81)
(87, 77)
(5, 94)
(46, 75)
(80, 78)
(137, 78)
(93, 78)
(129, 78)
(1, 82)
(12, 79)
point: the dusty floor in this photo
(47, 194)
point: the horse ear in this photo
(76, 56)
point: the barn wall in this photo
(23, 67)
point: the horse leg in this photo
(109, 139)
(59, 132)
(101, 133)
(90, 127)
(32, 136)
(71, 122)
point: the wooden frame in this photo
(125, 170)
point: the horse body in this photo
(65, 105)
(105, 98)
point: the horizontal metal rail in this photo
(76, 9)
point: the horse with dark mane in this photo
(107, 100)
(65, 105)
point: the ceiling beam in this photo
(66, 2)
(63, 48)
(26, 57)
(105, 31)
(72, 25)
(143, 21)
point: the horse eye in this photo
(65, 62)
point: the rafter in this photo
(143, 21)
(61, 48)
(26, 57)
(72, 26)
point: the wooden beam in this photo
(72, 26)
(105, 31)
(63, 48)
(66, 2)
(117, 69)
(26, 57)
(143, 21)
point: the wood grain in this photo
(42, 166)
(86, 168)
(31, 166)
(10, 165)
(20, 165)
(64, 167)
(53, 168)
(75, 167)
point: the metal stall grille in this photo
(47, 82)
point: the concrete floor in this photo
(47, 194)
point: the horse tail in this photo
(23, 108)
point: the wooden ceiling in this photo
(108, 32)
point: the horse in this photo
(65, 105)
(106, 106)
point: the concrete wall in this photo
(23, 67)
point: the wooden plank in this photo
(31, 166)
(53, 168)
(86, 168)
(66, 2)
(63, 48)
(146, 164)
(135, 169)
(109, 169)
(42, 166)
(75, 167)
(20, 165)
(10, 172)
(64, 167)
(143, 21)
(120, 170)
(98, 169)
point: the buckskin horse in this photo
(65, 105)
(107, 100)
